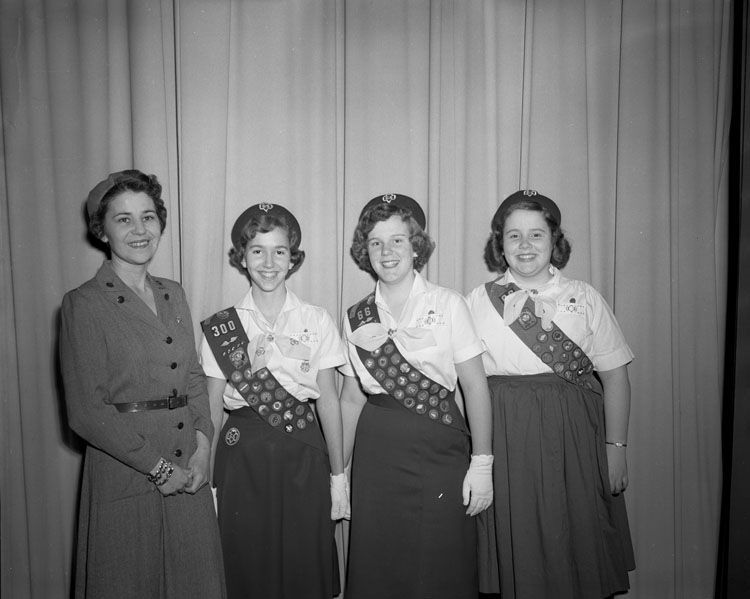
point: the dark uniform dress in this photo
(410, 537)
(555, 529)
(273, 485)
(132, 540)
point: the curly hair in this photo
(494, 257)
(265, 224)
(132, 180)
(421, 242)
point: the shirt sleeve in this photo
(332, 350)
(609, 348)
(466, 342)
(208, 361)
(346, 368)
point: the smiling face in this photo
(268, 260)
(132, 229)
(390, 251)
(527, 246)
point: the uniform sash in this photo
(413, 390)
(277, 407)
(553, 347)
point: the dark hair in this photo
(493, 250)
(265, 224)
(135, 181)
(420, 241)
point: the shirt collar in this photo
(507, 277)
(107, 276)
(418, 287)
(291, 302)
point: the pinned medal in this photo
(305, 366)
(232, 436)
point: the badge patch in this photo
(571, 308)
(431, 319)
(238, 357)
(232, 436)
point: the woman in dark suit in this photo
(136, 394)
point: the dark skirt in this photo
(410, 537)
(274, 513)
(555, 529)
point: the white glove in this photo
(339, 496)
(477, 487)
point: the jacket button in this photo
(173, 365)
(178, 452)
(166, 296)
(180, 425)
(110, 284)
(168, 340)
(120, 299)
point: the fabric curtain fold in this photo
(617, 110)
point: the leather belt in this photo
(168, 402)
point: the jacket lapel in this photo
(119, 294)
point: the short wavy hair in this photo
(421, 242)
(494, 256)
(266, 223)
(132, 180)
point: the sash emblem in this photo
(232, 436)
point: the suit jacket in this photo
(114, 349)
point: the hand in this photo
(618, 469)
(175, 483)
(477, 487)
(198, 469)
(340, 497)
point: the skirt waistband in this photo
(383, 400)
(543, 377)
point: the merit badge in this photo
(305, 366)
(238, 357)
(232, 436)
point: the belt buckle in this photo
(173, 401)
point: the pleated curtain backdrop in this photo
(617, 110)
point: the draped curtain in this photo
(617, 110)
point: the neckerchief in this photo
(415, 391)
(534, 326)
